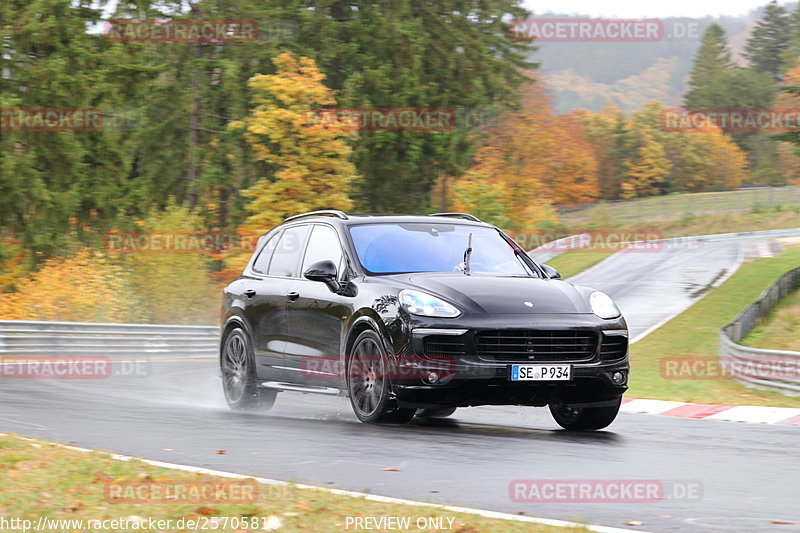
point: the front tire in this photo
(368, 383)
(584, 418)
(239, 380)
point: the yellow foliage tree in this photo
(647, 171)
(86, 287)
(175, 278)
(313, 170)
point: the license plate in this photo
(541, 372)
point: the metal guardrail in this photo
(28, 338)
(774, 369)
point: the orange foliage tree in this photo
(531, 160)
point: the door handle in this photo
(293, 296)
(249, 293)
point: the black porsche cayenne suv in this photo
(418, 315)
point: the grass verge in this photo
(694, 334)
(576, 261)
(688, 224)
(676, 206)
(780, 330)
(40, 479)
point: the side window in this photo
(323, 244)
(261, 264)
(286, 258)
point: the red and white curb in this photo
(784, 416)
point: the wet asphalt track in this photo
(750, 474)
(650, 285)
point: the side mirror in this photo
(324, 271)
(551, 272)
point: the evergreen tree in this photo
(418, 54)
(792, 50)
(55, 184)
(769, 40)
(711, 64)
(183, 147)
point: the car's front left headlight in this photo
(422, 303)
(603, 306)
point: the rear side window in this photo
(261, 264)
(288, 251)
(323, 244)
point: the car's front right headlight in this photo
(422, 303)
(603, 306)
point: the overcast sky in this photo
(650, 8)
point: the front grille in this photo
(535, 345)
(613, 347)
(444, 346)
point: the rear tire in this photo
(584, 418)
(239, 380)
(436, 413)
(368, 383)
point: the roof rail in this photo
(322, 213)
(465, 216)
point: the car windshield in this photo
(434, 247)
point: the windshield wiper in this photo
(468, 255)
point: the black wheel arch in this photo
(362, 322)
(231, 323)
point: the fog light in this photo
(618, 377)
(433, 377)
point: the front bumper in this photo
(470, 378)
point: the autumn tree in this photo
(572, 167)
(647, 171)
(611, 141)
(312, 170)
(534, 159)
(173, 277)
(483, 197)
(705, 160)
(85, 287)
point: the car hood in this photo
(502, 295)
